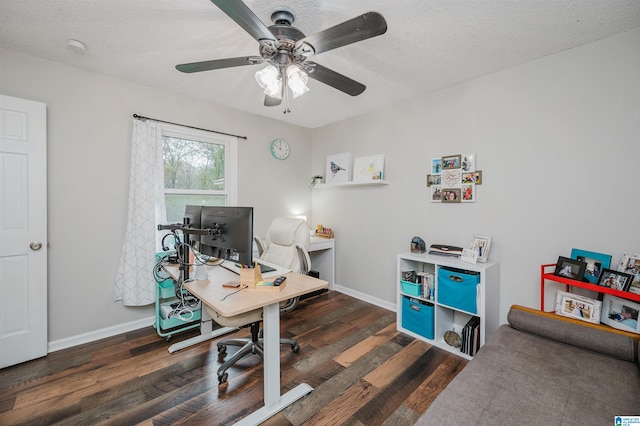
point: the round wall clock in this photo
(280, 149)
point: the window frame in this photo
(230, 160)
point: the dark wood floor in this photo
(363, 372)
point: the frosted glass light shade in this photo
(269, 79)
(297, 81)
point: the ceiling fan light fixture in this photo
(297, 81)
(269, 79)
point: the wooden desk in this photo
(211, 293)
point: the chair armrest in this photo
(260, 245)
(304, 259)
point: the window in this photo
(200, 168)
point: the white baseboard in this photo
(92, 336)
(365, 297)
(80, 339)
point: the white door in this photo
(23, 230)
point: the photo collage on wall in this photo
(453, 179)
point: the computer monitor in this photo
(231, 235)
(194, 214)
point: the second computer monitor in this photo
(231, 233)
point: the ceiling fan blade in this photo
(239, 12)
(270, 101)
(362, 27)
(334, 79)
(216, 64)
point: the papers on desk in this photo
(235, 268)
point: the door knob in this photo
(35, 246)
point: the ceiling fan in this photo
(286, 51)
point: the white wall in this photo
(89, 131)
(558, 141)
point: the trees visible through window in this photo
(199, 168)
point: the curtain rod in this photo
(141, 117)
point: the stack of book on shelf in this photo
(428, 280)
(471, 336)
(445, 250)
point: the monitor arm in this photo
(215, 232)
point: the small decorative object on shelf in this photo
(324, 232)
(316, 179)
(469, 256)
(452, 338)
(482, 246)
(418, 245)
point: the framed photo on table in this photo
(481, 245)
(570, 268)
(596, 262)
(614, 279)
(630, 264)
(620, 313)
(579, 307)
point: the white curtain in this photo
(135, 283)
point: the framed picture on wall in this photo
(472, 177)
(436, 166)
(451, 195)
(436, 194)
(434, 180)
(468, 192)
(451, 162)
(468, 163)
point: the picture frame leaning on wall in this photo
(481, 245)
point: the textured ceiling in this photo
(429, 45)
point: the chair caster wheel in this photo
(167, 339)
(222, 377)
(295, 348)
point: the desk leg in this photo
(273, 401)
(206, 333)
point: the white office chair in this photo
(286, 245)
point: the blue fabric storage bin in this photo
(417, 316)
(413, 289)
(458, 288)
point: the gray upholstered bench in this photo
(544, 369)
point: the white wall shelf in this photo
(337, 185)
